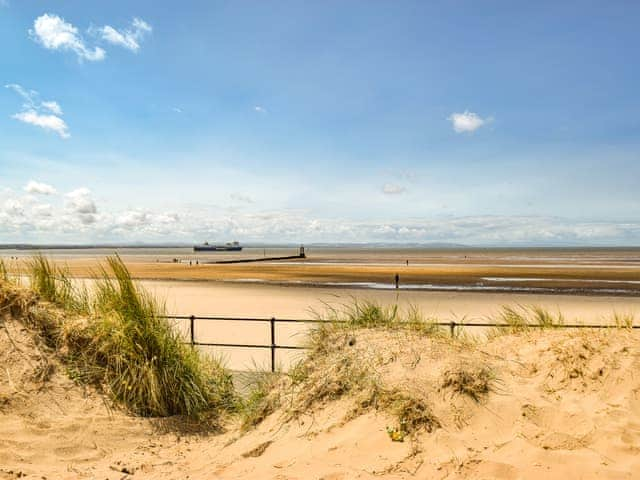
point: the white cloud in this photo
(53, 33)
(133, 218)
(260, 109)
(13, 206)
(29, 96)
(43, 210)
(177, 110)
(467, 121)
(53, 107)
(79, 221)
(142, 220)
(393, 189)
(127, 38)
(38, 187)
(80, 202)
(48, 122)
(45, 114)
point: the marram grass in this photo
(127, 347)
(145, 363)
(54, 284)
(4, 272)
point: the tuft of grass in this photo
(263, 399)
(474, 381)
(413, 414)
(331, 379)
(335, 365)
(543, 318)
(369, 314)
(523, 318)
(361, 314)
(16, 301)
(142, 360)
(4, 273)
(623, 320)
(120, 341)
(54, 284)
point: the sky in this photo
(481, 123)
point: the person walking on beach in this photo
(397, 280)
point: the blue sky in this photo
(462, 121)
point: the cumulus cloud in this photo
(467, 121)
(133, 218)
(75, 222)
(46, 114)
(43, 210)
(128, 38)
(75, 217)
(38, 187)
(13, 206)
(80, 202)
(143, 221)
(393, 189)
(53, 107)
(54, 33)
(48, 122)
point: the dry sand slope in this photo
(561, 405)
(49, 426)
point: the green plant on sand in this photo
(122, 343)
(4, 273)
(54, 284)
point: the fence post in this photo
(452, 326)
(192, 324)
(273, 344)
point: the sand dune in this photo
(562, 405)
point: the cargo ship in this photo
(227, 247)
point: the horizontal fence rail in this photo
(273, 346)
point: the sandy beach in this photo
(585, 286)
(265, 301)
(310, 240)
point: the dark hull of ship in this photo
(213, 248)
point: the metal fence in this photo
(273, 321)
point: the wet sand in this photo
(582, 277)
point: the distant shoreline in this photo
(364, 246)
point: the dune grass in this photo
(4, 273)
(472, 380)
(332, 369)
(143, 360)
(54, 284)
(360, 314)
(262, 400)
(118, 339)
(623, 320)
(521, 318)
